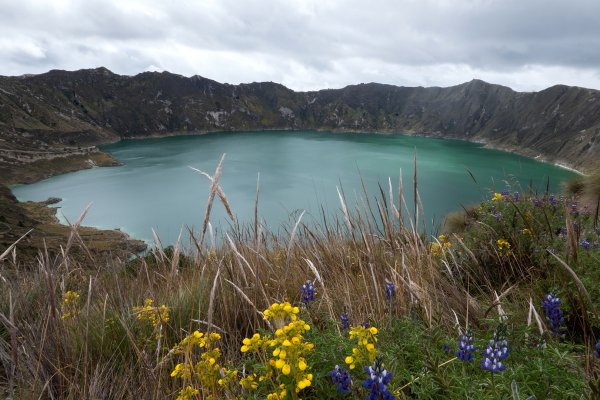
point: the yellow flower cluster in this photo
(157, 316)
(255, 343)
(365, 352)
(527, 232)
(503, 246)
(279, 395)
(279, 314)
(228, 376)
(188, 393)
(249, 382)
(288, 355)
(287, 361)
(497, 197)
(69, 307)
(437, 249)
(206, 375)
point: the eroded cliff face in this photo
(68, 110)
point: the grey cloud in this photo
(334, 41)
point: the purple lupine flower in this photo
(505, 193)
(552, 200)
(597, 352)
(377, 382)
(495, 352)
(537, 202)
(585, 244)
(498, 216)
(517, 196)
(554, 315)
(390, 291)
(446, 347)
(308, 292)
(341, 378)
(466, 347)
(344, 320)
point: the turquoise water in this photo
(155, 188)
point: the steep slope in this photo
(61, 111)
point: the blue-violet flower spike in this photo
(308, 292)
(495, 352)
(377, 381)
(345, 321)
(341, 378)
(390, 291)
(466, 347)
(554, 315)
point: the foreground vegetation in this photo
(502, 304)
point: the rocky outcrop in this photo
(88, 107)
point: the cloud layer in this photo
(309, 44)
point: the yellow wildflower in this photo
(187, 393)
(364, 353)
(227, 377)
(157, 316)
(438, 247)
(287, 361)
(204, 370)
(249, 382)
(503, 246)
(69, 307)
(281, 313)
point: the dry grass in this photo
(105, 352)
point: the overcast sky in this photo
(312, 44)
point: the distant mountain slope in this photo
(89, 107)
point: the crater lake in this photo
(155, 188)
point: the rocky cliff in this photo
(69, 111)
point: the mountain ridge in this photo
(72, 109)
